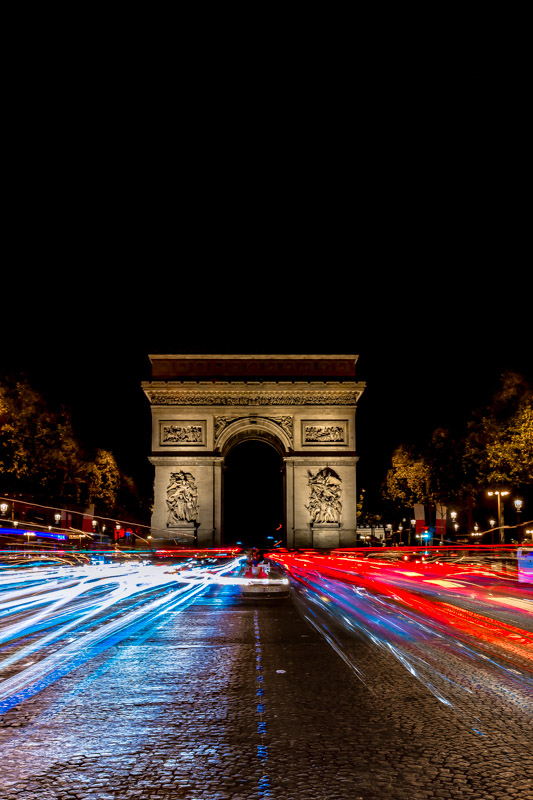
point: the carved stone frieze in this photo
(333, 432)
(244, 397)
(174, 433)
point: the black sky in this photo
(374, 211)
(425, 365)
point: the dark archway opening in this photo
(253, 495)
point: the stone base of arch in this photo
(302, 533)
(206, 529)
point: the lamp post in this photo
(453, 515)
(518, 505)
(28, 534)
(476, 531)
(500, 495)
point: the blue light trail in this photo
(54, 619)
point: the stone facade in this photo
(304, 406)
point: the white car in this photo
(267, 584)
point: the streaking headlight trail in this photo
(54, 619)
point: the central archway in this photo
(253, 494)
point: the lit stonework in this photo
(304, 406)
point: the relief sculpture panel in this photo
(182, 499)
(325, 496)
(334, 432)
(176, 433)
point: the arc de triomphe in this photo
(304, 406)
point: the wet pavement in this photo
(245, 701)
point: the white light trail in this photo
(95, 606)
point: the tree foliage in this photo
(498, 447)
(41, 456)
(407, 481)
(495, 448)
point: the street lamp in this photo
(518, 505)
(453, 515)
(500, 495)
(476, 531)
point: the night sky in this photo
(423, 369)
(381, 215)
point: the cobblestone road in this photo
(225, 700)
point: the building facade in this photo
(303, 406)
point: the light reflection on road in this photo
(465, 632)
(53, 619)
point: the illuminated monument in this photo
(303, 406)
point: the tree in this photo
(499, 443)
(105, 480)
(41, 456)
(407, 480)
(38, 450)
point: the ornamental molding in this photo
(247, 397)
(185, 461)
(285, 422)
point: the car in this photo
(265, 589)
(269, 584)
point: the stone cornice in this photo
(247, 394)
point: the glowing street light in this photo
(476, 531)
(453, 515)
(500, 495)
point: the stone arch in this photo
(253, 489)
(275, 433)
(302, 405)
